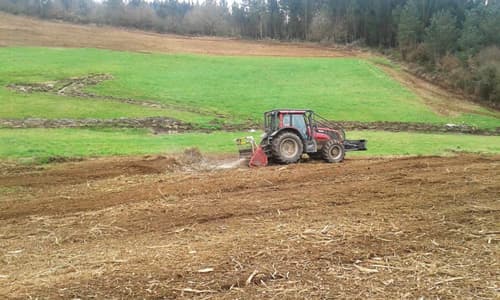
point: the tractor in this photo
(289, 134)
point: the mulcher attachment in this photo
(251, 153)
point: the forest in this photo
(455, 42)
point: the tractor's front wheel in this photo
(287, 148)
(333, 152)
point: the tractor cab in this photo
(306, 123)
(300, 120)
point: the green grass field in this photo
(201, 89)
(239, 88)
(38, 145)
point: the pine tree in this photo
(472, 38)
(441, 35)
(410, 28)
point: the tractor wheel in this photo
(333, 152)
(287, 148)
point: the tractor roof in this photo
(289, 110)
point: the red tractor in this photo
(289, 133)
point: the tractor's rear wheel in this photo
(287, 148)
(333, 152)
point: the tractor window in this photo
(286, 120)
(271, 122)
(299, 122)
(275, 122)
(268, 123)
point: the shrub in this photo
(449, 63)
(420, 54)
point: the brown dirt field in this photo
(24, 31)
(143, 228)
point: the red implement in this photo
(258, 158)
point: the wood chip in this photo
(325, 229)
(158, 246)
(190, 290)
(449, 280)
(365, 270)
(181, 230)
(206, 270)
(249, 279)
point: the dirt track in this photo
(141, 227)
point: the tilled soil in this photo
(152, 228)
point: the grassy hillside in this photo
(40, 144)
(203, 89)
(235, 89)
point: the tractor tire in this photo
(333, 151)
(287, 148)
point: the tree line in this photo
(456, 41)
